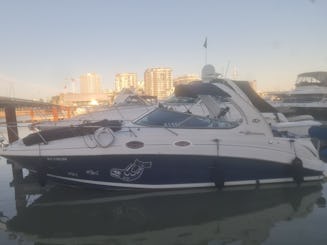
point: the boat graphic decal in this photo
(132, 172)
(73, 174)
(92, 172)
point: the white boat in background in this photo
(165, 148)
(308, 97)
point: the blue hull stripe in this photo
(162, 171)
(177, 186)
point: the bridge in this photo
(11, 104)
(16, 102)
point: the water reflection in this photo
(202, 216)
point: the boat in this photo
(168, 149)
(197, 216)
(319, 133)
(308, 97)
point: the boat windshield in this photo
(126, 99)
(181, 100)
(172, 119)
(312, 79)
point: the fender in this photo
(297, 170)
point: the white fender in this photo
(104, 137)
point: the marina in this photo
(163, 122)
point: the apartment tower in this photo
(90, 83)
(125, 80)
(158, 82)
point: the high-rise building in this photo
(90, 83)
(186, 79)
(158, 82)
(125, 80)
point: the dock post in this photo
(32, 115)
(20, 197)
(11, 121)
(55, 113)
(17, 172)
(68, 112)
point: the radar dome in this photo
(209, 73)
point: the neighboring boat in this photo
(171, 149)
(197, 216)
(320, 133)
(308, 97)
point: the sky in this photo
(44, 44)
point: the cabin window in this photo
(171, 119)
(162, 117)
(181, 100)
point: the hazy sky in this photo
(43, 43)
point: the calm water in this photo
(61, 215)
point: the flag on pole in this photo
(205, 43)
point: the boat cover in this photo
(255, 99)
(56, 133)
(199, 88)
(319, 132)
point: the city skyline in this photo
(46, 43)
(122, 80)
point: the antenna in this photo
(73, 85)
(205, 45)
(227, 68)
(235, 73)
